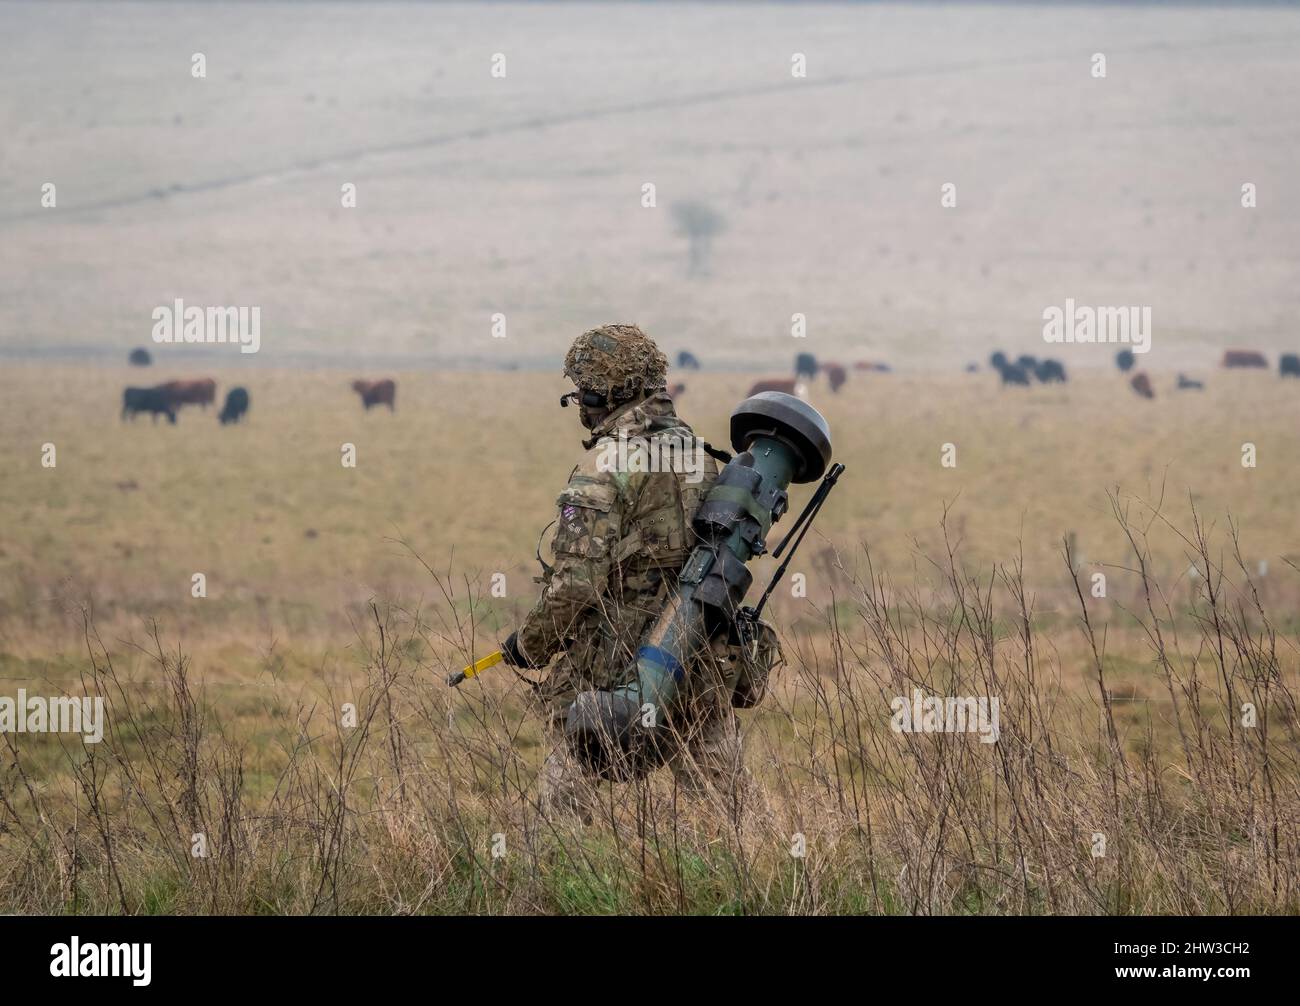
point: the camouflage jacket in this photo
(623, 533)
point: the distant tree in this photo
(699, 224)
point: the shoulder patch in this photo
(594, 495)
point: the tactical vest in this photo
(655, 539)
(657, 531)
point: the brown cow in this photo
(1142, 385)
(1244, 358)
(201, 392)
(786, 384)
(376, 393)
(835, 375)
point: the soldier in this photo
(623, 533)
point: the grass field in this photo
(221, 722)
(471, 463)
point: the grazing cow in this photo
(805, 365)
(376, 393)
(1124, 359)
(1288, 364)
(1185, 383)
(235, 407)
(835, 375)
(790, 385)
(154, 400)
(676, 390)
(1244, 358)
(1013, 373)
(1050, 371)
(201, 392)
(139, 358)
(1142, 385)
(687, 361)
(1027, 363)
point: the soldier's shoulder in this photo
(595, 481)
(675, 427)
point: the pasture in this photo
(467, 469)
(306, 561)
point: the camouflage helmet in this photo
(619, 361)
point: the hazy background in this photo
(522, 195)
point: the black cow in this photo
(235, 407)
(1185, 383)
(1049, 371)
(687, 361)
(1124, 359)
(1027, 363)
(805, 365)
(1288, 364)
(1013, 373)
(998, 360)
(139, 358)
(153, 400)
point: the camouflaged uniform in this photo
(621, 538)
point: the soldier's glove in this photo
(513, 655)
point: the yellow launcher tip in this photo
(491, 660)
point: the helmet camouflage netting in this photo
(619, 361)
